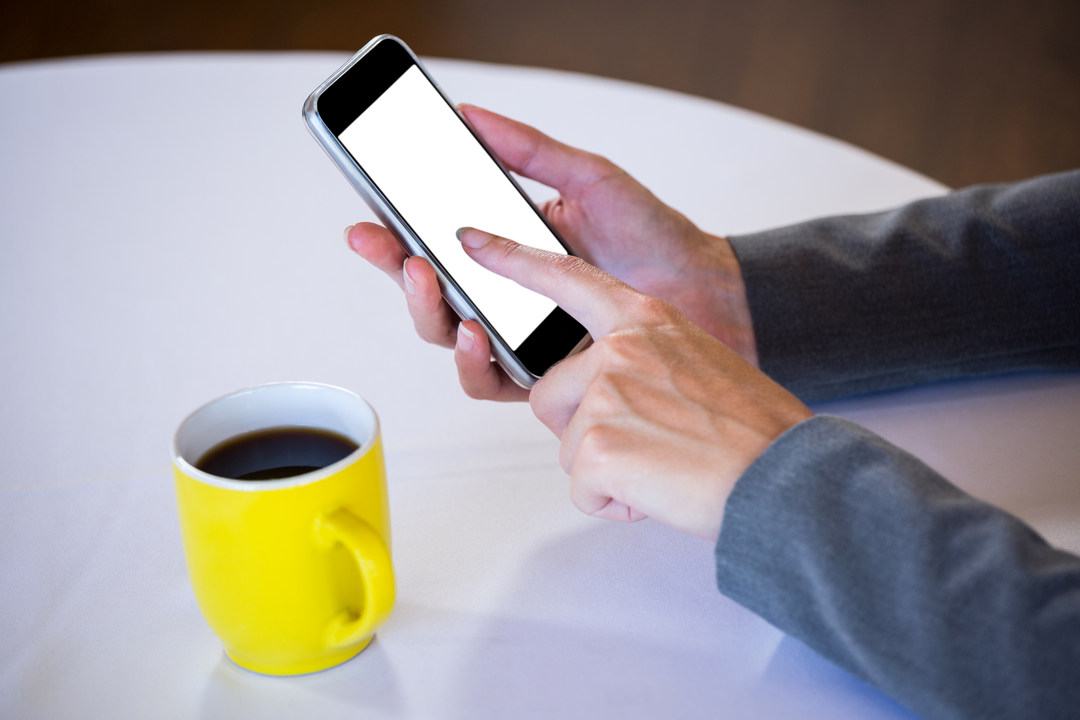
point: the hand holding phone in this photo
(609, 219)
(420, 168)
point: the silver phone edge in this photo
(374, 199)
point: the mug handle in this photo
(373, 560)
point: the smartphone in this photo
(424, 172)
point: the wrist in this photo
(723, 311)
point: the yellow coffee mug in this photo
(293, 574)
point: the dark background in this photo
(962, 91)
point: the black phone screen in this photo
(426, 162)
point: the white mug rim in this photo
(206, 478)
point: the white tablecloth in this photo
(169, 233)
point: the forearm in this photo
(949, 605)
(978, 282)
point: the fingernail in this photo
(473, 238)
(410, 286)
(347, 235)
(464, 338)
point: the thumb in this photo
(531, 153)
(588, 294)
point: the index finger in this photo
(591, 296)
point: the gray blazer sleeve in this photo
(981, 281)
(949, 605)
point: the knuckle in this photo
(617, 350)
(552, 206)
(562, 265)
(557, 270)
(506, 251)
(584, 501)
(596, 450)
(599, 166)
(652, 311)
(535, 144)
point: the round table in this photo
(169, 233)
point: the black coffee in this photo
(275, 453)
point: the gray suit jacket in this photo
(949, 605)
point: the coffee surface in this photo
(275, 453)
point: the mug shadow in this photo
(367, 683)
